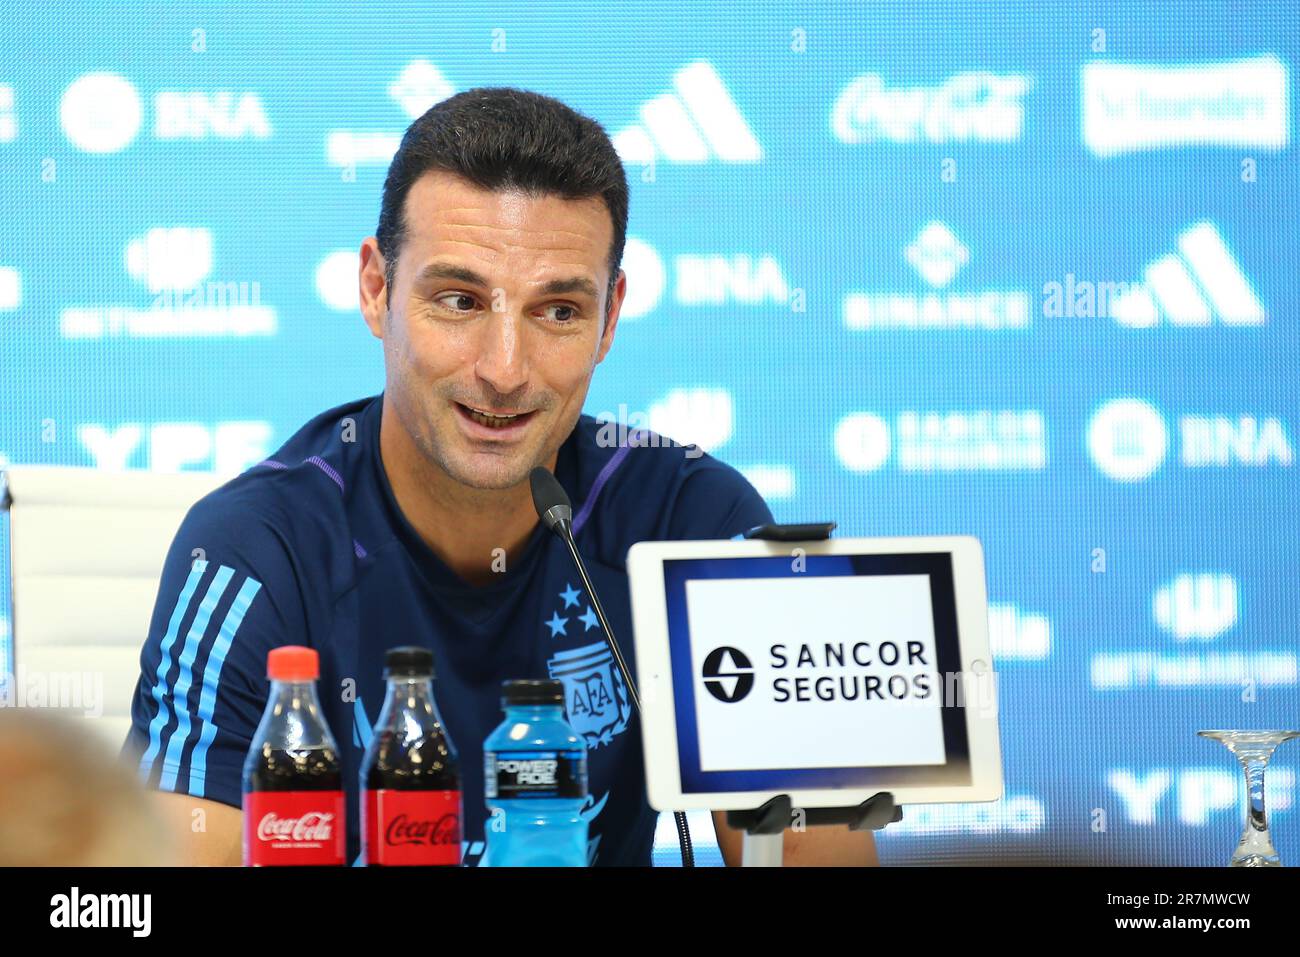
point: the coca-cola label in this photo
(293, 828)
(535, 774)
(410, 828)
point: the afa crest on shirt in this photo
(595, 697)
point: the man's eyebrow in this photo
(556, 287)
(447, 271)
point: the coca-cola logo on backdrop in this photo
(312, 826)
(404, 830)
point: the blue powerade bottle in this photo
(535, 781)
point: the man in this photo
(494, 284)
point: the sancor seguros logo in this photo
(728, 674)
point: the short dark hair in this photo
(505, 138)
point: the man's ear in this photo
(373, 286)
(611, 316)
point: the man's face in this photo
(496, 321)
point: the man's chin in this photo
(491, 473)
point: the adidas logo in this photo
(1191, 287)
(695, 122)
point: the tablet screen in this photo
(816, 671)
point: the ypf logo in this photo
(728, 674)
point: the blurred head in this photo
(494, 281)
(65, 801)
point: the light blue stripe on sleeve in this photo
(212, 679)
(185, 678)
(361, 724)
(162, 715)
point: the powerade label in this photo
(410, 828)
(535, 774)
(293, 828)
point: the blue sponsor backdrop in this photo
(1026, 272)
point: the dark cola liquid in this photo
(309, 769)
(394, 770)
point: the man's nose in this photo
(502, 362)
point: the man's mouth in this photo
(493, 420)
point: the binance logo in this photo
(728, 674)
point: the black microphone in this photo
(550, 500)
(556, 512)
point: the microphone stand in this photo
(556, 513)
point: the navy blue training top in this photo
(310, 547)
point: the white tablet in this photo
(827, 670)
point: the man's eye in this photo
(561, 313)
(457, 302)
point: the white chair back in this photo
(86, 551)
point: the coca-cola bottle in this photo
(410, 778)
(293, 783)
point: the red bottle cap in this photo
(293, 663)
